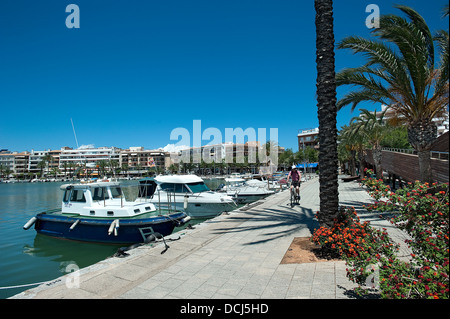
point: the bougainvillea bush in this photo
(421, 210)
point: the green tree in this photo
(41, 165)
(372, 127)
(326, 104)
(401, 72)
(102, 167)
(48, 159)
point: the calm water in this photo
(27, 257)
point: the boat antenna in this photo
(74, 132)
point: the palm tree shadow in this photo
(273, 223)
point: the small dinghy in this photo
(98, 212)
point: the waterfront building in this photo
(6, 161)
(308, 138)
(442, 123)
(137, 159)
(86, 156)
(228, 152)
(21, 162)
(35, 158)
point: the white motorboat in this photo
(262, 181)
(188, 192)
(242, 192)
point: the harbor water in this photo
(28, 258)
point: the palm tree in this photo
(404, 77)
(326, 104)
(65, 166)
(355, 140)
(373, 128)
(41, 165)
(47, 159)
(101, 166)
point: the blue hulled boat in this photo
(98, 212)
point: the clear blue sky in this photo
(135, 70)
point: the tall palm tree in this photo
(49, 160)
(326, 104)
(401, 72)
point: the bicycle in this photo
(295, 199)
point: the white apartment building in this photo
(442, 123)
(7, 160)
(87, 156)
(35, 158)
(230, 152)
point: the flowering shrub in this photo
(376, 187)
(422, 210)
(357, 243)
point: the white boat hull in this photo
(197, 206)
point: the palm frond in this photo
(400, 69)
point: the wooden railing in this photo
(405, 163)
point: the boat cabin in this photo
(181, 184)
(100, 199)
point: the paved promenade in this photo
(236, 255)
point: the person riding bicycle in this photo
(296, 177)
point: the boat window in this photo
(98, 193)
(198, 187)
(116, 192)
(66, 195)
(77, 196)
(177, 188)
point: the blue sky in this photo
(136, 70)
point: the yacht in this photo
(263, 181)
(188, 193)
(243, 192)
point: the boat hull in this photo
(130, 231)
(247, 198)
(201, 210)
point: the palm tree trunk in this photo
(377, 155)
(327, 112)
(421, 136)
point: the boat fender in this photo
(113, 227)
(185, 201)
(29, 223)
(149, 239)
(116, 227)
(185, 220)
(74, 224)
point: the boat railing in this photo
(132, 193)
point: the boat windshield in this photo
(116, 192)
(177, 188)
(99, 193)
(198, 187)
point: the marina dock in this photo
(234, 255)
